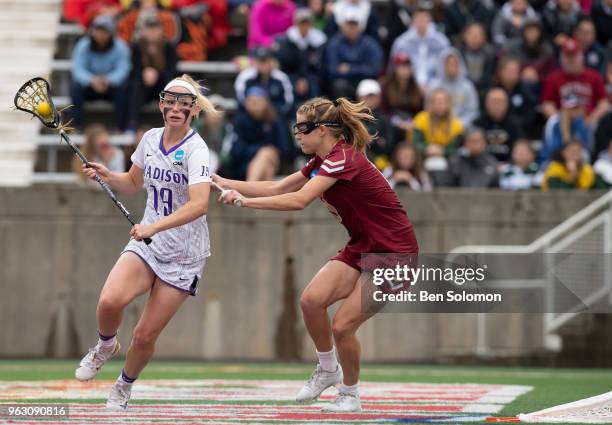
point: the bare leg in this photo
(163, 303)
(335, 281)
(347, 320)
(129, 278)
(264, 164)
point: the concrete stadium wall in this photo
(58, 243)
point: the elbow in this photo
(299, 205)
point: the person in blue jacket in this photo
(350, 57)
(260, 139)
(100, 69)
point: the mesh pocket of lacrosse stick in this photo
(34, 97)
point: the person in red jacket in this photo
(574, 79)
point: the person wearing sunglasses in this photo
(358, 195)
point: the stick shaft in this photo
(101, 182)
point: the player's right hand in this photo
(94, 167)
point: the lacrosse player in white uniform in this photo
(172, 165)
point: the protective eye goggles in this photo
(185, 100)
(307, 127)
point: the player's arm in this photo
(130, 182)
(292, 201)
(195, 207)
(290, 183)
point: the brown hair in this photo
(92, 133)
(349, 115)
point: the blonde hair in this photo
(349, 115)
(203, 102)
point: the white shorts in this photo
(184, 277)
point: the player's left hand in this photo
(229, 197)
(142, 231)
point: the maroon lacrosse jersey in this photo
(362, 200)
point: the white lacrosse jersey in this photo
(167, 176)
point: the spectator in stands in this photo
(603, 168)
(85, 11)
(299, 54)
(269, 19)
(478, 56)
(536, 56)
(522, 100)
(501, 129)
(407, 169)
(98, 148)
(472, 166)
(462, 14)
(260, 140)
(595, 56)
(153, 66)
(212, 13)
(437, 132)
(522, 172)
(100, 70)
(566, 126)
(370, 92)
(602, 18)
(454, 80)
(321, 12)
(560, 17)
(362, 10)
(397, 19)
(130, 24)
(402, 97)
(603, 134)
(424, 44)
(264, 74)
(351, 56)
(510, 19)
(567, 170)
(574, 78)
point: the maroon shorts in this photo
(349, 257)
(355, 259)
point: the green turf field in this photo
(550, 386)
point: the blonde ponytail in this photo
(349, 115)
(203, 102)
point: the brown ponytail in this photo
(349, 115)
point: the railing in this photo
(589, 231)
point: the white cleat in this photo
(319, 381)
(344, 403)
(119, 396)
(94, 360)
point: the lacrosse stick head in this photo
(34, 97)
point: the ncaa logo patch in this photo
(179, 155)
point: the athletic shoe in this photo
(94, 360)
(319, 381)
(119, 396)
(344, 403)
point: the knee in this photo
(342, 329)
(309, 304)
(109, 305)
(144, 339)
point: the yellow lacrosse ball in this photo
(44, 109)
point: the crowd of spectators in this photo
(467, 93)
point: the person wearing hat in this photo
(351, 56)
(299, 55)
(100, 69)
(259, 141)
(264, 73)
(567, 125)
(370, 93)
(402, 97)
(574, 78)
